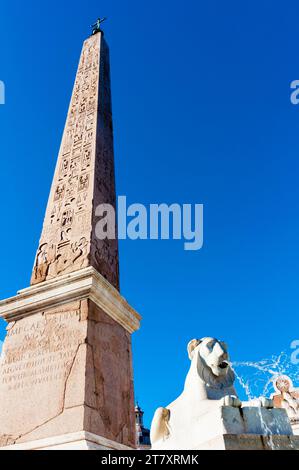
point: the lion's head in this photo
(212, 360)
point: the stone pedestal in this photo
(74, 441)
(250, 442)
(234, 428)
(66, 367)
(247, 428)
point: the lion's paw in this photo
(230, 400)
(160, 428)
(266, 402)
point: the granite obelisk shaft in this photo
(84, 177)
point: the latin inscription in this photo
(40, 351)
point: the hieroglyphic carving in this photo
(75, 167)
(53, 260)
(70, 255)
(105, 252)
(56, 213)
(83, 182)
(81, 202)
(64, 168)
(67, 218)
(88, 137)
(68, 141)
(45, 257)
(84, 176)
(106, 260)
(71, 189)
(86, 158)
(59, 193)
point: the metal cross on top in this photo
(96, 27)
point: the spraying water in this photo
(255, 379)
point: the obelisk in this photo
(66, 368)
(84, 176)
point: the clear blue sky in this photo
(202, 115)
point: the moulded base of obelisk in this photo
(73, 441)
(66, 364)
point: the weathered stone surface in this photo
(66, 370)
(73, 441)
(110, 368)
(84, 177)
(37, 361)
(250, 442)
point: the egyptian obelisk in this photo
(66, 368)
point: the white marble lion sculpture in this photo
(208, 388)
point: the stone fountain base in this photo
(250, 442)
(248, 428)
(234, 428)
